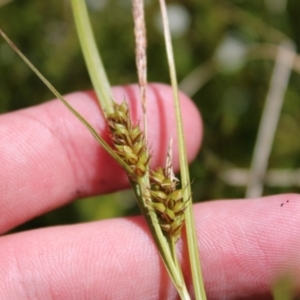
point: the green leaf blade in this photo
(92, 57)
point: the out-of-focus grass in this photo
(284, 289)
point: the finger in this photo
(245, 247)
(48, 158)
(249, 245)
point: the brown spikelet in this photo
(161, 196)
(165, 199)
(167, 202)
(128, 139)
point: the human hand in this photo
(49, 159)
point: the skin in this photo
(49, 159)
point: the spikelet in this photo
(166, 200)
(162, 195)
(128, 140)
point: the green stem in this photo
(190, 223)
(92, 56)
(70, 108)
(161, 241)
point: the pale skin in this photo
(49, 159)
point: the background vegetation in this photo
(212, 37)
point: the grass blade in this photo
(91, 55)
(185, 180)
(270, 117)
(70, 108)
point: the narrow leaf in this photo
(185, 180)
(92, 57)
(71, 109)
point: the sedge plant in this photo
(166, 208)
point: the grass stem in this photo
(92, 57)
(185, 181)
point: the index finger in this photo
(48, 158)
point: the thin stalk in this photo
(285, 288)
(197, 78)
(3, 2)
(161, 242)
(194, 81)
(140, 53)
(269, 119)
(269, 51)
(70, 108)
(190, 224)
(172, 245)
(92, 57)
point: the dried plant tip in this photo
(128, 140)
(140, 41)
(169, 166)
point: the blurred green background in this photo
(211, 43)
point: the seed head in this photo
(128, 140)
(167, 201)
